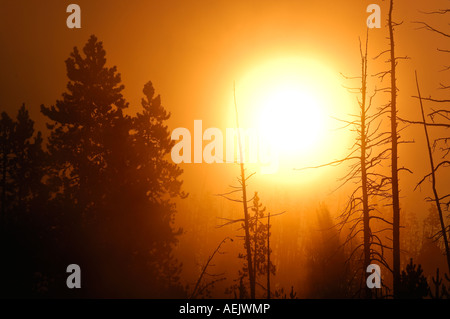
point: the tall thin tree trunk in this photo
(365, 197)
(197, 284)
(394, 159)
(255, 240)
(251, 273)
(433, 180)
(268, 255)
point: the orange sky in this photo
(187, 48)
(193, 51)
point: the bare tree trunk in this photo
(268, 255)
(255, 240)
(357, 211)
(251, 273)
(194, 292)
(433, 179)
(365, 197)
(394, 159)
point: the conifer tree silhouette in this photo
(114, 180)
(23, 226)
(413, 284)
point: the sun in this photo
(291, 119)
(292, 102)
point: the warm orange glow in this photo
(123, 173)
(291, 102)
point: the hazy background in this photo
(192, 51)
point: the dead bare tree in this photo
(198, 289)
(242, 188)
(440, 118)
(394, 132)
(437, 199)
(371, 183)
(359, 210)
(394, 155)
(243, 182)
(268, 255)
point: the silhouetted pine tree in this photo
(413, 284)
(23, 197)
(85, 126)
(7, 127)
(259, 230)
(21, 159)
(440, 289)
(113, 182)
